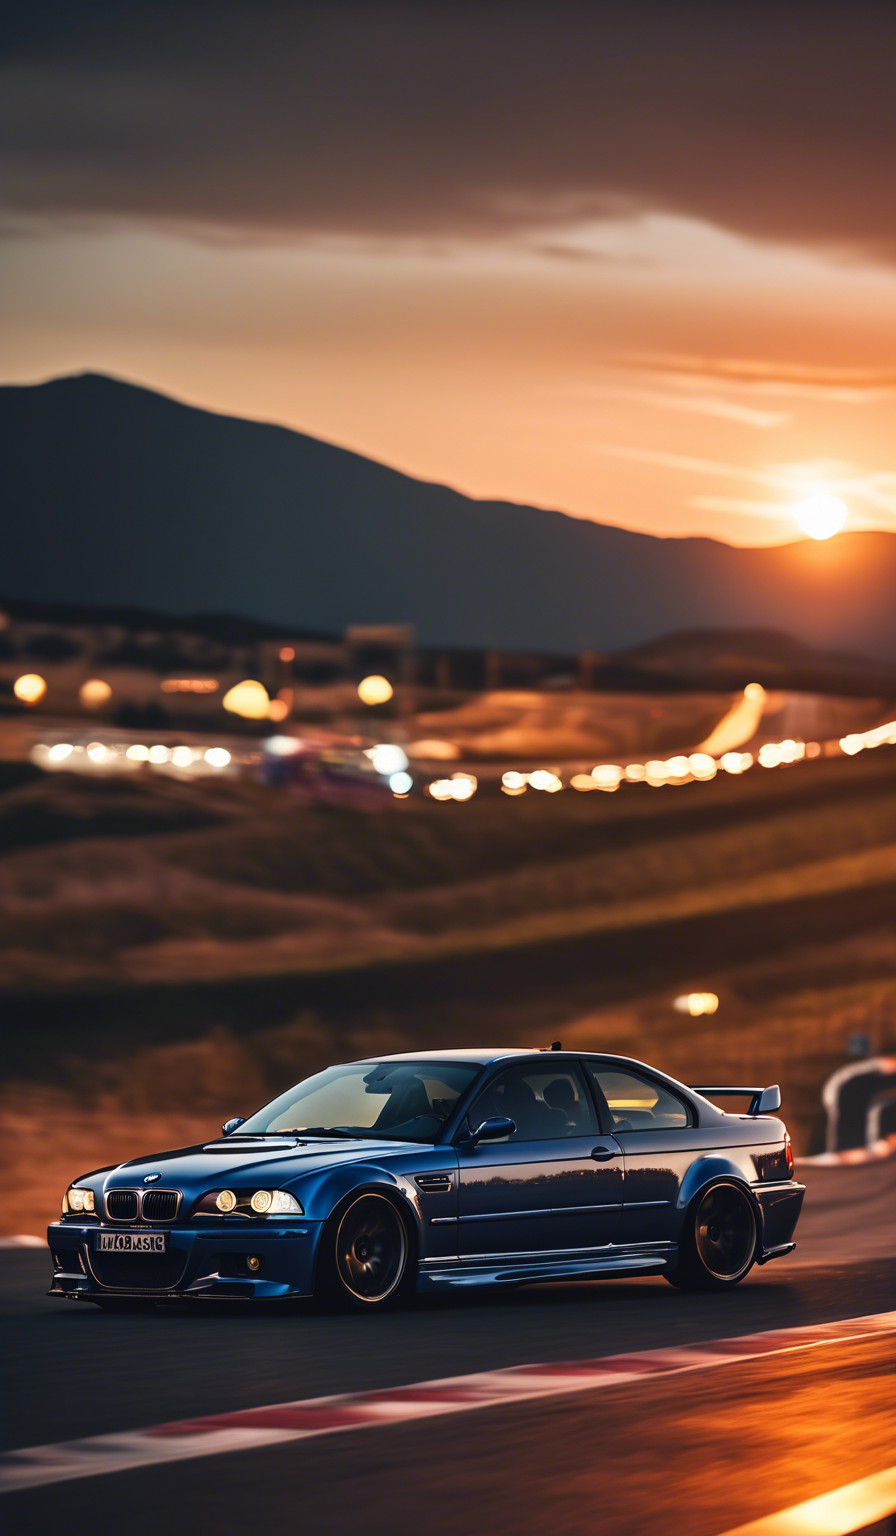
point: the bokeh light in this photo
(30, 688)
(375, 690)
(217, 757)
(696, 1004)
(94, 693)
(387, 758)
(248, 699)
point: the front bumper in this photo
(198, 1263)
(780, 1205)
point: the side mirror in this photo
(769, 1100)
(230, 1126)
(496, 1129)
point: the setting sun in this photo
(821, 516)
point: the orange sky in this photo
(677, 334)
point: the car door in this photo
(655, 1128)
(555, 1184)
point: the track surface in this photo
(703, 1452)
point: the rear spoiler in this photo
(763, 1101)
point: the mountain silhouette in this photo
(116, 495)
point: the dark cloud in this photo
(446, 120)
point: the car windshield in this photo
(398, 1100)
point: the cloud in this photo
(694, 404)
(875, 488)
(841, 385)
(462, 121)
(758, 509)
(689, 464)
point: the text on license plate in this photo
(131, 1242)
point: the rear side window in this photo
(639, 1103)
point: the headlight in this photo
(285, 1204)
(248, 1202)
(275, 1202)
(76, 1201)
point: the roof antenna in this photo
(556, 1046)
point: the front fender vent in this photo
(433, 1183)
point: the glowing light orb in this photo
(248, 699)
(94, 693)
(217, 757)
(375, 690)
(29, 689)
(387, 758)
(821, 516)
(434, 750)
(696, 1004)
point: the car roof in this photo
(480, 1056)
(504, 1052)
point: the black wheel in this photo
(719, 1241)
(368, 1262)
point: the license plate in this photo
(131, 1242)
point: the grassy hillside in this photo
(172, 955)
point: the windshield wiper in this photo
(255, 1135)
(326, 1130)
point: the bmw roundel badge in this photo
(151, 1178)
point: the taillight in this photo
(788, 1153)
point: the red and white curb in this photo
(251, 1428)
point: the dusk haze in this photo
(448, 767)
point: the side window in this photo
(544, 1105)
(638, 1103)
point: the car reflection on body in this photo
(375, 1179)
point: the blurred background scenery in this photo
(449, 556)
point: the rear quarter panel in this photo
(665, 1169)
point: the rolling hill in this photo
(115, 495)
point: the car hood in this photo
(216, 1163)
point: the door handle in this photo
(603, 1154)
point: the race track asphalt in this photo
(700, 1453)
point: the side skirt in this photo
(530, 1268)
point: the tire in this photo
(367, 1260)
(719, 1241)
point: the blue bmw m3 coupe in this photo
(378, 1178)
